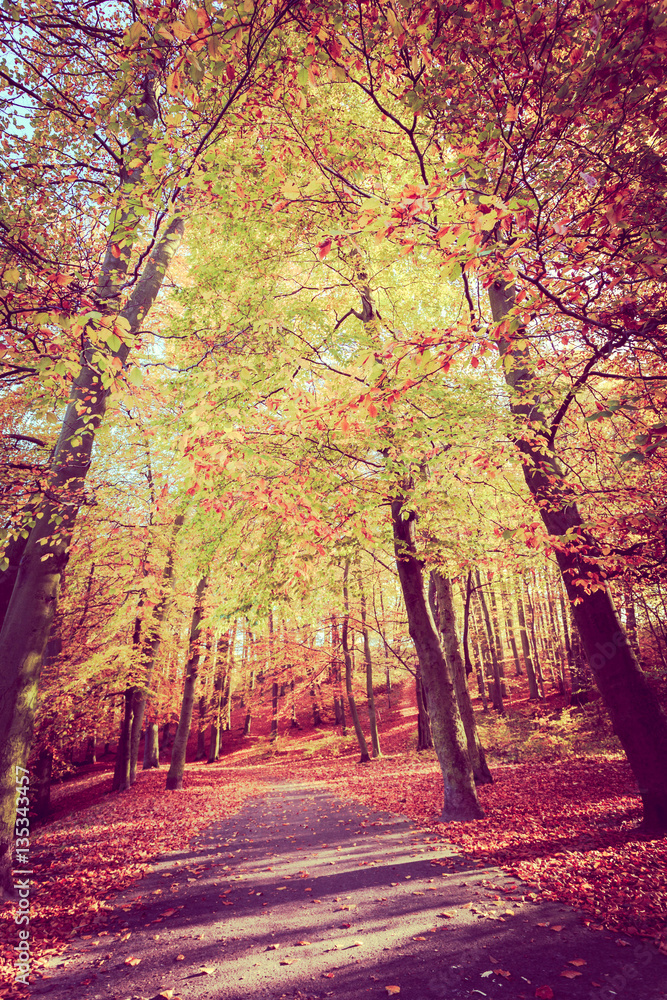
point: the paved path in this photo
(304, 895)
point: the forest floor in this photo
(559, 828)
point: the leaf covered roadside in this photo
(84, 860)
(565, 828)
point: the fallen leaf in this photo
(544, 993)
(570, 973)
(180, 958)
(448, 915)
(132, 960)
(577, 961)
(419, 938)
(328, 975)
(393, 989)
(556, 927)
(291, 961)
(303, 943)
(272, 947)
(208, 970)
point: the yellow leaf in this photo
(180, 958)
(207, 970)
(11, 274)
(180, 30)
(511, 114)
(393, 989)
(132, 960)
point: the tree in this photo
(91, 78)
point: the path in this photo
(304, 895)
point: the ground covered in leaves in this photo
(566, 826)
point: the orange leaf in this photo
(570, 973)
(544, 993)
(393, 989)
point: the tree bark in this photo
(372, 714)
(151, 747)
(460, 796)
(452, 651)
(150, 648)
(121, 777)
(636, 715)
(361, 739)
(175, 774)
(497, 694)
(424, 735)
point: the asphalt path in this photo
(305, 895)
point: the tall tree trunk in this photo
(386, 649)
(527, 654)
(121, 777)
(636, 715)
(150, 647)
(175, 774)
(361, 739)
(424, 735)
(497, 694)
(43, 771)
(372, 715)
(447, 624)
(151, 747)
(460, 795)
(337, 683)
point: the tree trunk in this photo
(525, 645)
(372, 715)
(424, 735)
(150, 648)
(337, 683)
(365, 756)
(43, 784)
(175, 774)
(151, 747)
(386, 651)
(497, 693)
(121, 776)
(636, 715)
(452, 651)
(460, 795)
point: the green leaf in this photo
(135, 376)
(113, 341)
